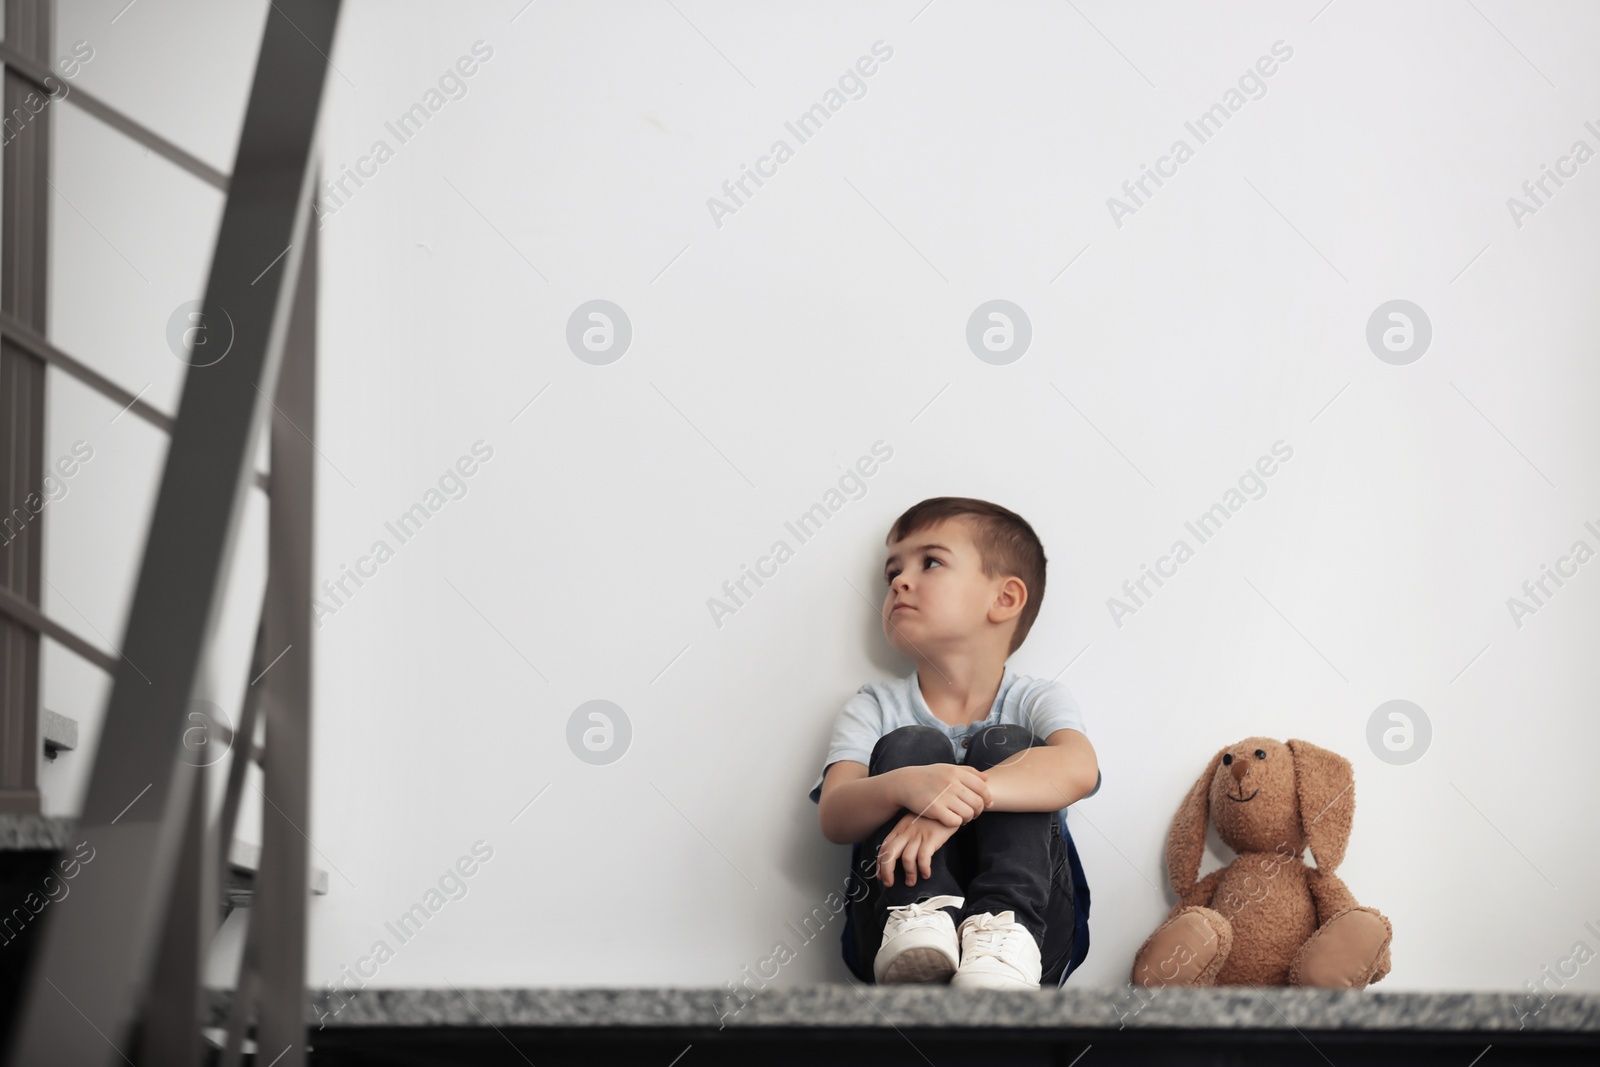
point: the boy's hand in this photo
(949, 793)
(913, 841)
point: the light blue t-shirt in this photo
(878, 707)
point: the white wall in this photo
(1228, 313)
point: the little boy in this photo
(959, 771)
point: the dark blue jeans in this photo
(1000, 861)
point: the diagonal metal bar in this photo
(134, 812)
(38, 74)
(31, 617)
(35, 345)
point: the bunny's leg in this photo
(1350, 948)
(1190, 947)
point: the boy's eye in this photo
(889, 576)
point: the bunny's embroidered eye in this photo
(1260, 754)
(1227, 758)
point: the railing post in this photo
(170, 1025)
(283, 881)
(24, 259)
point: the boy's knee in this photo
(999, 742)
(912, 745)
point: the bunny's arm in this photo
(1201, 892)
(1329, 893)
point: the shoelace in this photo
(990, 935)
(921, 913)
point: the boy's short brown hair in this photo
(1005, 542)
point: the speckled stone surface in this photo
(854, 1005)
(19, 832)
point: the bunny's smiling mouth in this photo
(1242, 800)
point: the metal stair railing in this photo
(119, 972)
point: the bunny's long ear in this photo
(1325, 786)
(1187, 838)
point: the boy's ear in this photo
(1011, 599)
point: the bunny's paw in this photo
(1187, 950)
(1345, 953)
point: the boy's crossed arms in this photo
(940, 798)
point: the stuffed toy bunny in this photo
(1266, 918)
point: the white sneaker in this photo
(919, 943)
(997, 953)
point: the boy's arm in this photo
(1053, 775)
(854, 803)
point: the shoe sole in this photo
(989, 982)
(918, 966)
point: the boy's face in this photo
(937, 575)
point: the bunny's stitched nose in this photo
(1239, 768)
